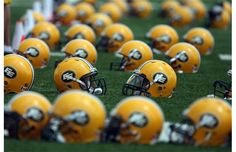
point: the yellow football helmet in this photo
(212, 120)
(142, 9)
(18, 74)
(181, 17)
(36, 51)
(122, 5)
(81, 31)
(99, 21)
(65, 14)
(112, 10)
(33, 108)
(198, 8)
(81, 48)
(38, 17)
(114, 36)
(162, 37)
(201, 38)
(81, 114)
(134, 53)
(84, 11)
(47, 32)
(227, 7)
(153, 78)
(168, 8)
(136, 120)
(184, 58)
(78, 73)
(222, 21)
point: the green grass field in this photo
(189, 88)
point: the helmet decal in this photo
(118, 37)
(160, 78)
(44, 36)
(33, 52)
(79, 36)
(34, 114)
(81, 53)
(80, 117)
(197, 40)
(138, 119)
(9, 72)
(208, 120)
(68, 76)
(135, 54)
(99, 23)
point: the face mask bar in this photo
(118, 66)
(222, 89)
(103, 43)
(94, 85)
(137, 84)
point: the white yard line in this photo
(225, 57)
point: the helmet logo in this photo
(79, 36)
(165, 38)
(99, 23)
(9, 72)
(197, 40)
(81, 13)
(34, 114)
(44, 36)
(138, 119)
(81, 53)
(32, 52)
(118, 37)
(182, 56)
(208, 120)
(135, 54)
(160, 78)
(68, 76)
(80, 117)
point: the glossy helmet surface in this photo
(153, 78)
(134, 53)
(162, 37)
(81, 31)
(182, 16)
(65, 14)
(212, 118)
(36, 51)
(78, 73)
(84, 11)
(47, 32)
(99, 21)
(169, 7)
(112, 10)
(201, 38)
(122, 5)
(81, 48)
(33, 108)
(136, 120)
(18, 74)
(184, 58)
(114, 36)
(142, 9)
(81, 116)
(198, 8)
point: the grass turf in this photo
(189, 88)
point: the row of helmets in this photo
(79, 117)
